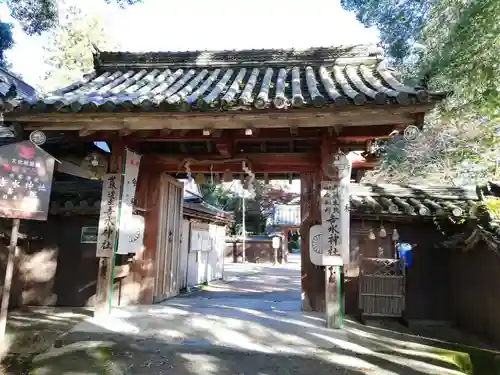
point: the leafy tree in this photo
(257, 208)
(69, 51)
(399, 22)
(6, 41)
(454, 151)
(450, 45)
(35, 17)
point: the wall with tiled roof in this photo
(416, 201)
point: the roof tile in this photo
(222, 80)
(396, 200)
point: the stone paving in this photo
(250, 323)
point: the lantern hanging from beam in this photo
(382, 233)
(200, 178)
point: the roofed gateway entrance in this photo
(281, 113)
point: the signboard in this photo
(89, 235)
(196, 240)
(335, 214)
(132, 235)
(107, 218)
(200, 237)
(128, 227)
(276, 242)
(25, 181)
(330, 242)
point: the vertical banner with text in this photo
(106, 232)
(130, 226)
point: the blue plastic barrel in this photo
(404, 252)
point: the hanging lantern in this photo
(199, 178)
(382, 233)
(371, 235)
(395, 235)
(227, 177)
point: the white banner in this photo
(128, 227)
(106, 232)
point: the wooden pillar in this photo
(333, 274)
(149, 198)
(312, 280)
(105, 271)
(235, 252)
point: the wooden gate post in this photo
(104, 274)
(312, 277)
(333, 274)
(333, 296)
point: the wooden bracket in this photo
(224, 148)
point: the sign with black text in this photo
(107, 230)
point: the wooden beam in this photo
(86, 132)
(312, 277)
(217, 133)
(260, 163)
(279, 162)
(358, 133)
(125, 132)
(324, 117)
(72, 169)
(224, 148)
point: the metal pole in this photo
(9, 271)
(243, 226)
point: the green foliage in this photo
(257, 208)
(399, 22)
(69, 51)
(493, 205)
(450, 45)
(35, 17)
(6, 41)
(453, 44)
(453, 150)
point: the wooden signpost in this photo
(329, 241)
(26, 173)
(119, 231)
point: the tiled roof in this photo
(7, 80)
(84, 197)
(395, 200)
(237, 80)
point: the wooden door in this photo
(168, 250)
